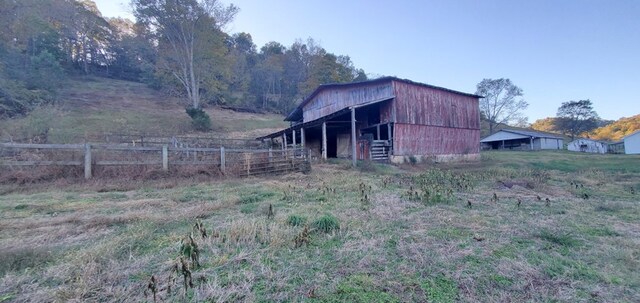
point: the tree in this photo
(546, 124)
(576, 117)
(501, 102)
(189, 38)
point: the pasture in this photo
(517, 226)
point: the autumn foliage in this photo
(617, 130)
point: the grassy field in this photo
(480, 232)
(92, 107)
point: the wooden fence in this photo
(237, 162)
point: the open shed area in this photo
(515, 139)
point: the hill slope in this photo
(617, 130)
(89, 108)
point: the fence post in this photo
(222, 160)
(270, 155)
(165, 158)
(87, 161)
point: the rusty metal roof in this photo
(296, 114)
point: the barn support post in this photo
(294, 138)
(165, 158)
(324, 140)
(284, 141)
(223, 161)
(270, 155)
(378, 131)
(87, 161)
(353, 137)
(302, 137)
(531, 143)
(389, 131)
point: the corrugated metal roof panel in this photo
(527, 133)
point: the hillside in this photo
(617, 130)
(92, 107)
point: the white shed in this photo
(516, 139)
(588, 146)
(632, 143)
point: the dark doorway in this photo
(332, 144)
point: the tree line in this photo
(178, 46)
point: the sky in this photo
(555, 50)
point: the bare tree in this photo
(502, 102)
(186, 32)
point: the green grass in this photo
(564, 161)
(440, 290)
(397, 249)
(296, 220)
(326, 224)
(358, 288)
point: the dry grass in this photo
(104, 242)
(105, 106)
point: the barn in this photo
(632, 143)
(516, 139)
(385, 119)
(588, 146)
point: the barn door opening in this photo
(332, 145)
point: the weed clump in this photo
(438, 186)
(326, 224)
(270, 213)
(199, 228)
(296, 220)
(189, 248)
(303, 238)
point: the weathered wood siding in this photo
(417, 104)
(415, 139)
(386, 111)
(333, 100)
(434, 122)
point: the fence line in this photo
(231, 161)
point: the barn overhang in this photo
(508, 134)
(319, 121)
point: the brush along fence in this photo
(113, 158)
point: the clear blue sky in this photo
(556, 51)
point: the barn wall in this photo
(343, 145)
(315, 145)
(332, 100)
(411, 139)
(386, 111)
(537, 143)
(632, 144)
(550, 143)
(591, 146)
(417, 104)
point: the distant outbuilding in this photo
(632, 143)
(588, 146)
(515, 139)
